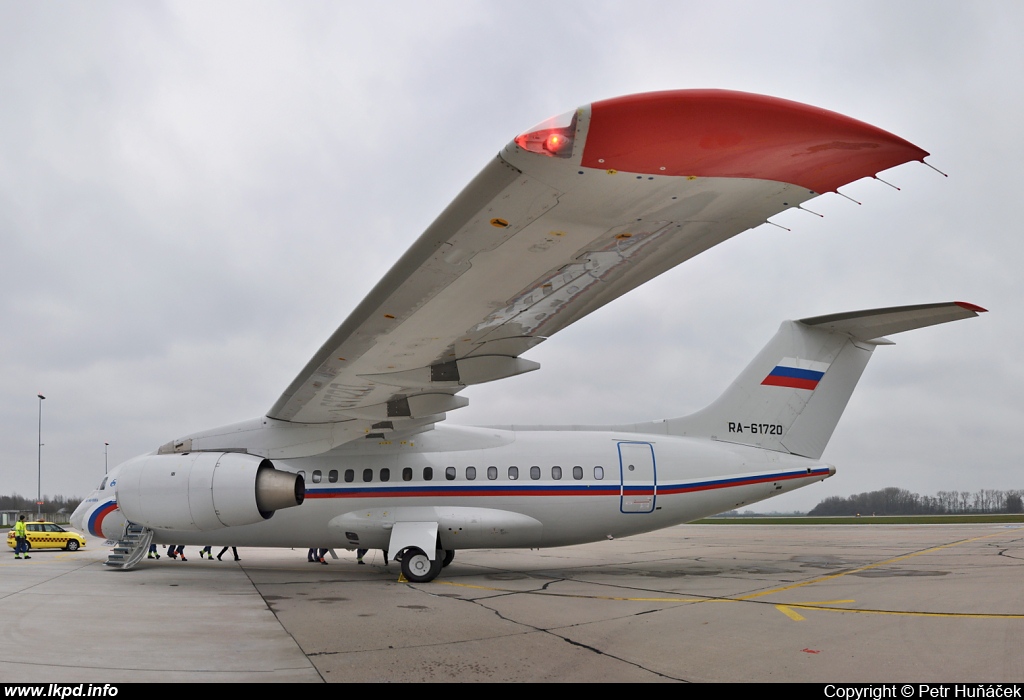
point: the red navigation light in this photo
(554, 143)
(552, 137)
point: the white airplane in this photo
(570, 215)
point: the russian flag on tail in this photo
(795, 373)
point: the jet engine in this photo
(200, 491)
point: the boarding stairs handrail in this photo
(131, 547)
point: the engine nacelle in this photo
(204, 490)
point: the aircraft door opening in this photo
(638, 474)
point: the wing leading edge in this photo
(566, 218)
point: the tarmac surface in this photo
(914, 603)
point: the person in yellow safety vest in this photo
(20, 539)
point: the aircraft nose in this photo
(98, 515)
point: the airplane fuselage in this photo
(494, 488)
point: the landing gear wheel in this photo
(71, 546)
(417, 567)
(449, 555)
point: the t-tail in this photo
(790, 397)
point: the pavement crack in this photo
(534, 628)
(618, 658)
(284, 627)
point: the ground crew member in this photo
(20, 539)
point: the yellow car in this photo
(48, 536)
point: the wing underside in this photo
(568, 217)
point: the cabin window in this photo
(513, 473)
(407, 474)
(598, 473)
(317, 476)
(449, 473)
(428, 473)
(492, 473)
(367, 475)
(104, 484)
(332, 476)
(534, 473)
(556, 473)
(350, 476)
(471, 473)
(577, 473)
(385, 474)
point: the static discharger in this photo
(888, 183)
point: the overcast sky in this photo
(193, 196)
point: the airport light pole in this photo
(105, 446)
(39, 463)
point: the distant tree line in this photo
(894, 501)
(50, 504)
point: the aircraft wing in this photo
(570, 215)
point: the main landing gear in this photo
(417, 567)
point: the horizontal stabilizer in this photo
(876, 323)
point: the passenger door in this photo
(638, 477)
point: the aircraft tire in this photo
(449, 555)
(417, 567)
(71, 546)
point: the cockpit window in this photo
(103, 485)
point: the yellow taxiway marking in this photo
(790, 613)
(830, 577)
(790, 609)
(787, 609)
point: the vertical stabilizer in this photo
(791, 396)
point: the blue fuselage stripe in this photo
(509, 489)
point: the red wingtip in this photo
(970, 307)
(719, 133)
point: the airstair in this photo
(133, 545)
